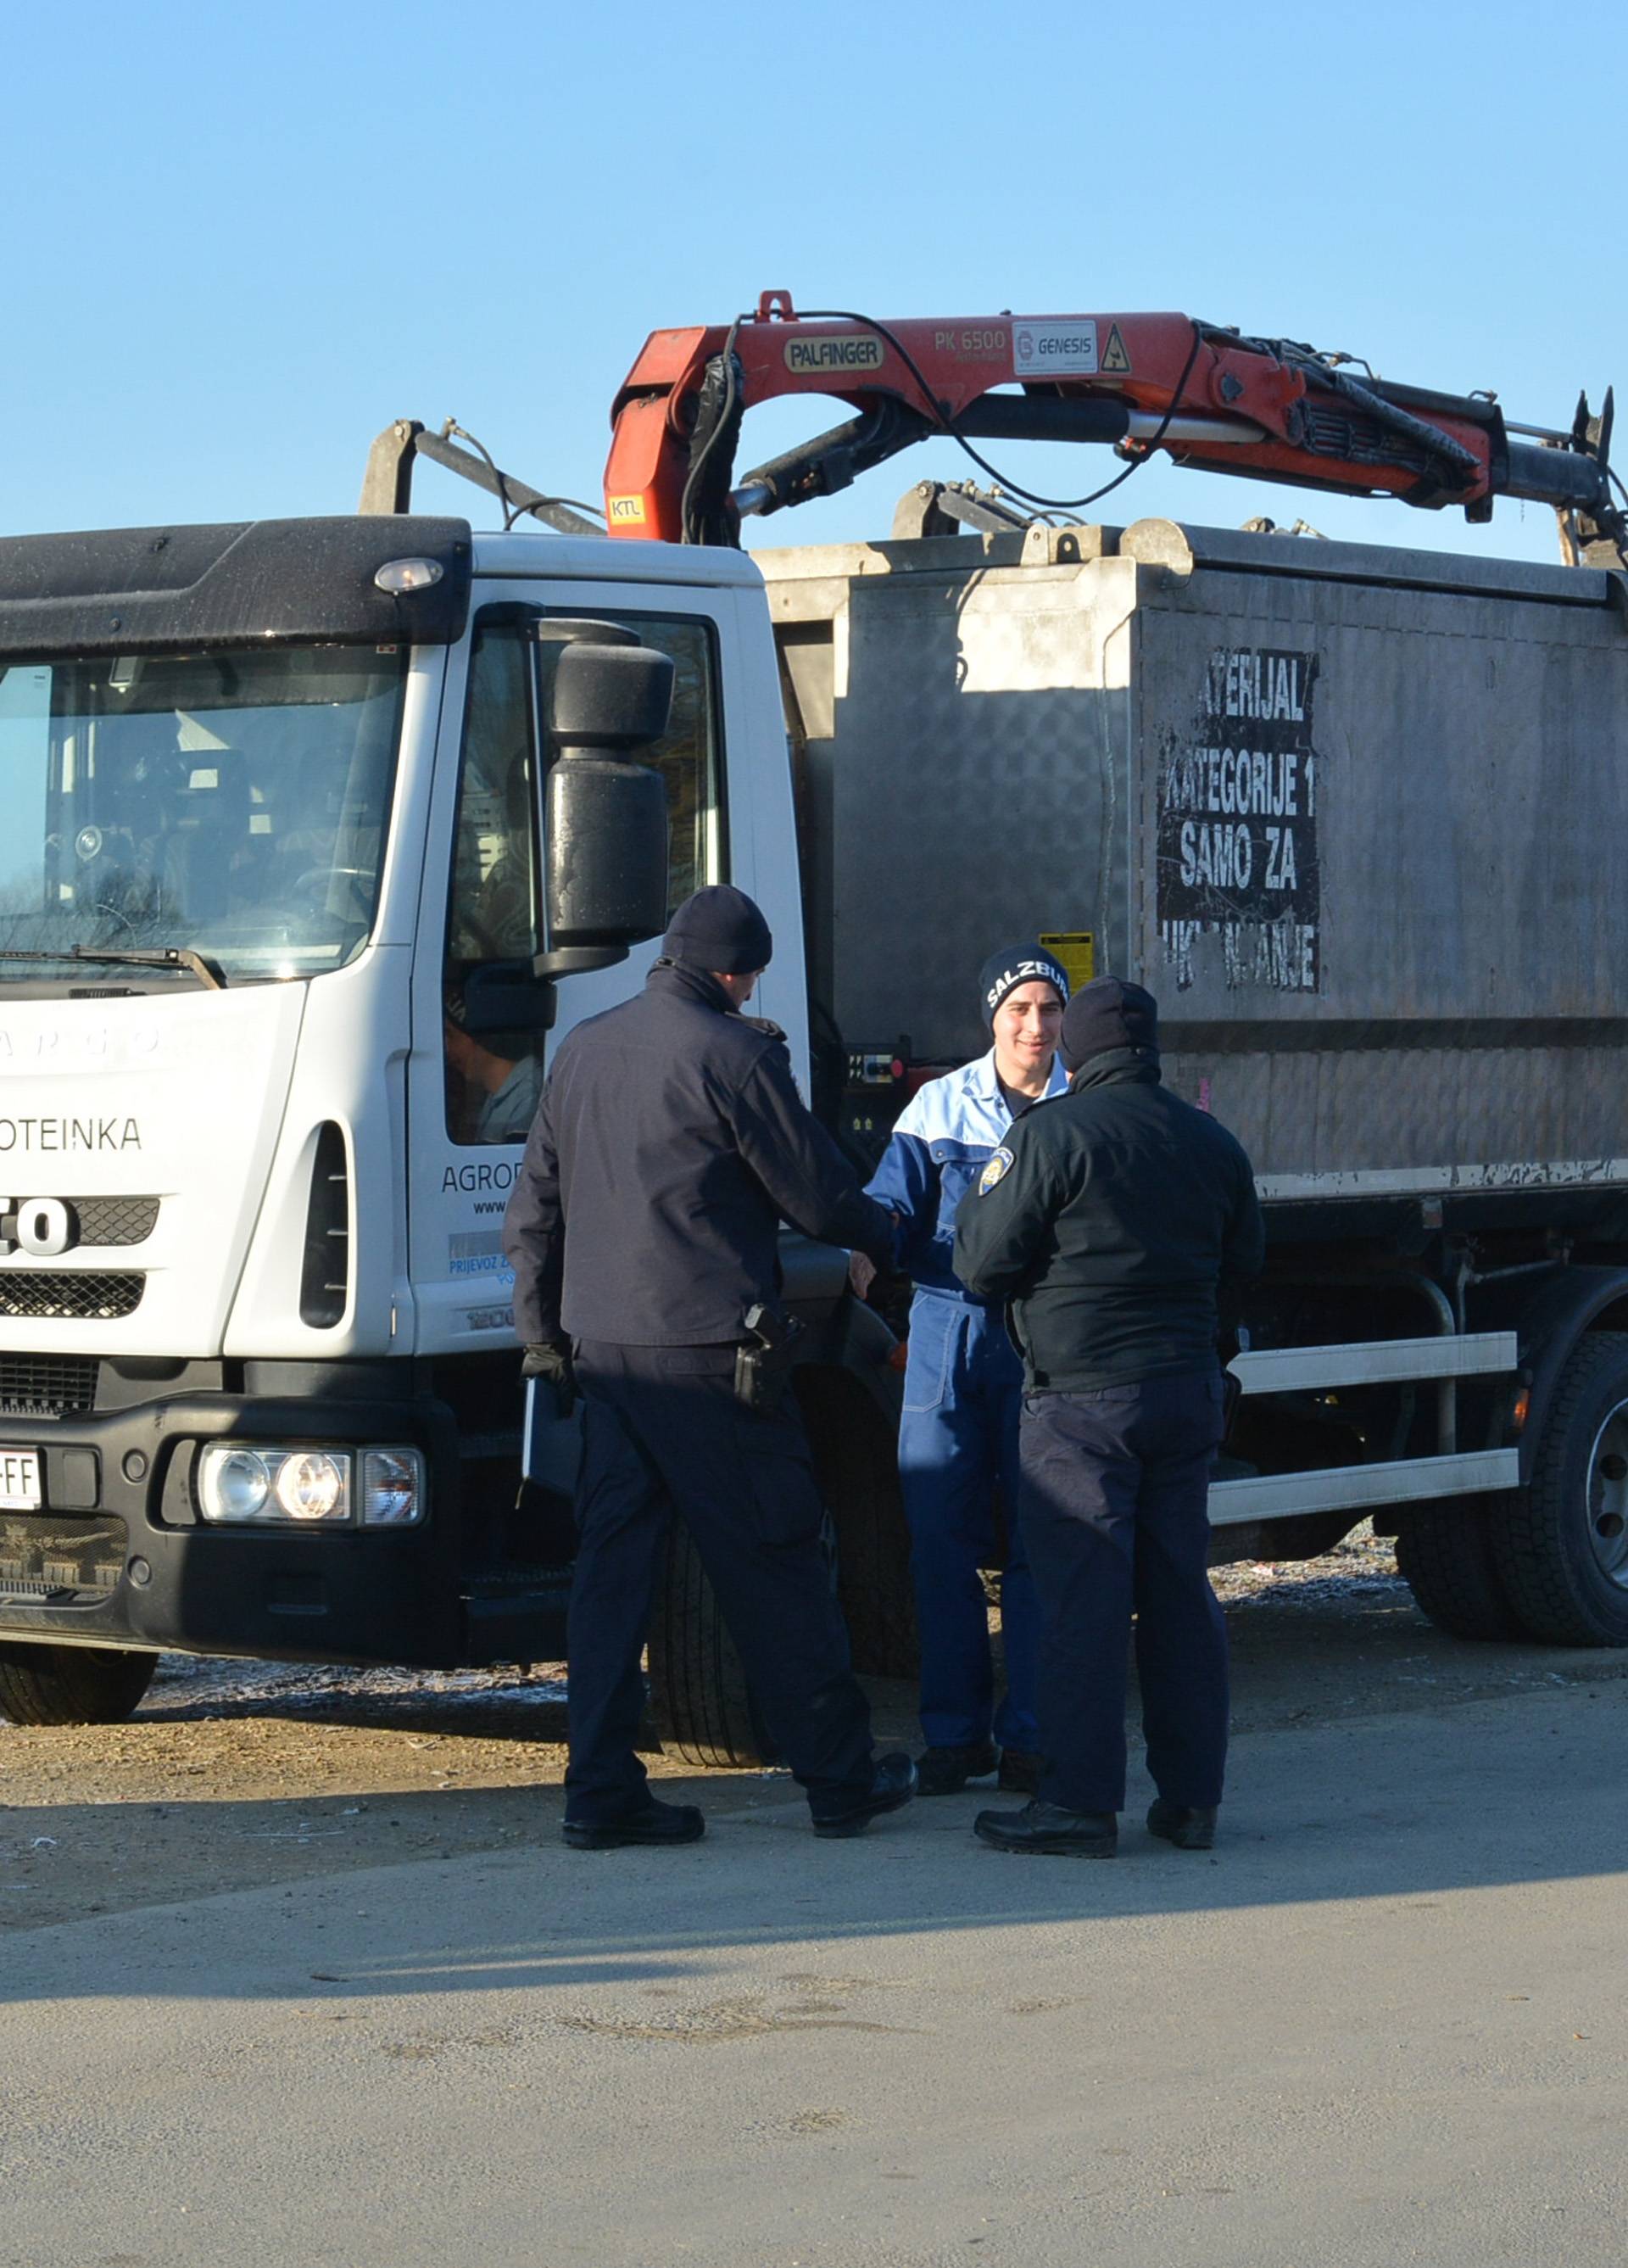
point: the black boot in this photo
(891, 1787)
(1190, 1827)
(946, 1771)
(652, 1823)
(1048, 1827)
(1020, 1771)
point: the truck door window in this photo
(689, 755)
(494, 1078)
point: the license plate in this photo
(19, 1480)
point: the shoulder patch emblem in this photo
(1000, 1165)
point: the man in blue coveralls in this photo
(963, 1387)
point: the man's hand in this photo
(861, 1273)
(551, 1364)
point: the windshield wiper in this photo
(208, 973)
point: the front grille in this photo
(49, 1294)
(51, 1556)
(47, 1386)
(115, 1221)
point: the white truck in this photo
(313, 847)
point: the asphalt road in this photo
(1384, 2021)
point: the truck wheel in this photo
(1561, 1545)
(856, 1461)
(71, 1684)
(703, 1710)
(1445, 1554)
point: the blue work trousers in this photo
(663, 1433)
(1115, 1497)
(958, 1438)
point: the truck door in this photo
(477, 1067)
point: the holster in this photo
(763, 1361)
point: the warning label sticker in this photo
(1076, 949)
(1058, 346)
(1116, 361)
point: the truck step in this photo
(1350, 1488)
(1374, 1362)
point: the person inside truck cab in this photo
(957, 1441)
(499, 1093)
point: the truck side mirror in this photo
(603, 816)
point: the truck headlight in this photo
(303, 1485)
(392, 1488)
(236, 1486)
(313, 1485)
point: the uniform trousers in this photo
(663, 1433)
(957, 1439)
(1115, 1511)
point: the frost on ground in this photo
(197, 1684)
(1360, 1572)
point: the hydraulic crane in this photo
(1263, 408)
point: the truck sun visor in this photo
(152, 589)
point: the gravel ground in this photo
(233, 1774)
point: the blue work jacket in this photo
(944, 1136)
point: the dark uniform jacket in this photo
(670, 1144)
(1109, 1220)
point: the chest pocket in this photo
(959, 1165)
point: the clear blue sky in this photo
(240, 241)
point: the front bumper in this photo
(119, 1556)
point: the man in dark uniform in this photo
(1118, 1221)
(670, 1144)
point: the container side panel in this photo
(1373, 876)
(971, 792)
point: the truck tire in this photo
(856, 1462)
(71, 1684)
(1444, 1552)
(702, 1704)
(1561, 1545)
(703, 1710)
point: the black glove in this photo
(551, 1365)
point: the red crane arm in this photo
(1264, 408)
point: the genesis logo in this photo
(42, 1225)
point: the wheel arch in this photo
(1551, 1324)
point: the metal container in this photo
(1353, 815)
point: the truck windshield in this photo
(233, 803)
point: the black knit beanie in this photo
(1013, 965)
(1106, 1014)
(721, 930)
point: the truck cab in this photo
(270, 1043)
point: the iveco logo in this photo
(42, 1225)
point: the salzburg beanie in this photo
(1106, 1014)
(1013, 965)
(719, 929)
